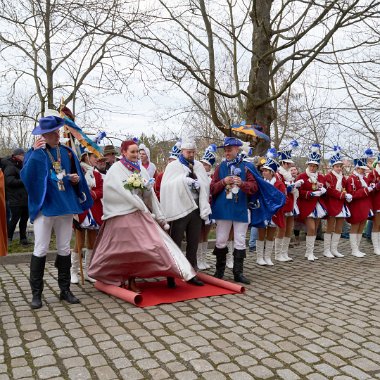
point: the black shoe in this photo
(24, 242)
(171, 282)
(36, 302)
(219, 274)
(68, 296)
(196, 281)
(241, 278)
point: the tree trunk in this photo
(49, 65)
(257, 111)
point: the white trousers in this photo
(43, 226)
(223, 228)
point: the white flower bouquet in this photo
(134, 181)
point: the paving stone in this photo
(105, 373)
(287, 374)
(131, 374)
(80, 373)
(260, 372)
(48, 372)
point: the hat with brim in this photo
(48, 124)
(361, 163)
(109, 149)
(230, 141)
(285, 156)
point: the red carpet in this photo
(155, 293)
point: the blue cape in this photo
(34, 175)
(265, 202)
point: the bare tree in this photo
(45, 50)
(227, 50)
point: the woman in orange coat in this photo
(311, 202)
(374, 180)
(336, 198)
(361, 205)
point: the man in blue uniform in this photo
(57, 190)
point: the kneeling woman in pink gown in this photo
(131, 242)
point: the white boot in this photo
(309, 254)
(230, 258)
(334, 245)
(268, 252)
(200, 263)
(285, 249)
(87, 261)
(204, 254)
(74, 268)
(359, 239)
(375, 237)
(327, 245)
(354, 246)
(278, 249)
(260, 252)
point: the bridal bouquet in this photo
(134, 181)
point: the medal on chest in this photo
(57, 173)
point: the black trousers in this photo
(18, 213)
(191, 224)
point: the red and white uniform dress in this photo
(309, 205)
(335, 198)
(92, 218)
(278, 219)
(361, 205)
(290, 208)
(374, 180)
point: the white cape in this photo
(119, 201)
(175, 195)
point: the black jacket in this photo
(15, 191)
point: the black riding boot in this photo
(239, 255)
(220, 266)
(37, 268)
(171, 282)
(63, 264)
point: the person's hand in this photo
(237, 181)
(229, 180)
(40, 143)
(289, 188)
(322, 190)
(298, 183)
(74, 178)
(189, 181)
(348, 197)
(196, 185)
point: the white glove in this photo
(316, 193)
(196, 184)
(298, 183)
(189, 181)
(348, 198)
(322, 190)
(370, 188)
(148, 184)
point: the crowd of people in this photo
(132, 220)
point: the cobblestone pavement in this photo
(297, 320)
